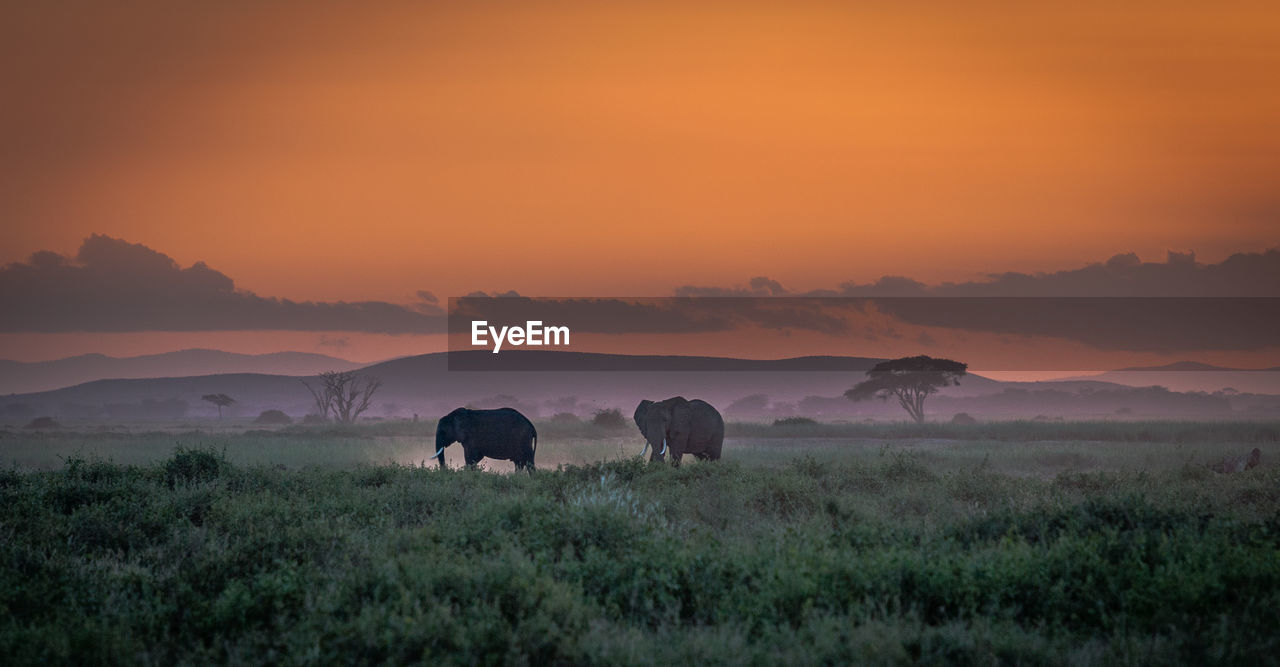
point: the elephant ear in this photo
(641, 411)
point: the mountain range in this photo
(431, 384)
(1195, 376)
(18, 377)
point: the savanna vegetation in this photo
(897, 555)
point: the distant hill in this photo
(555, 360)
(26, 377)
(1178, 366)
(1195, 376)
(425, 385)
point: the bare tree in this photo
(220, 400)
(320, 395)
(345, 394)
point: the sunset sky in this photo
(334, 152)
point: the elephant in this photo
(680, 427)
(497, 434)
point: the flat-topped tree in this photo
(220, 400)
(910, 380)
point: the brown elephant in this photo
(678, 426)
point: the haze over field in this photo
(746, 390)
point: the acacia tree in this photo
(220, 400)
(910, 380)
(345, 394)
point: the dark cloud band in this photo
(1122, 304)
(115, 286)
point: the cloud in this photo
(885, 286)
(1241, 274)
(337, 342)
(112, 285)
(758, 286)
(1154, 324)
(1120, 304)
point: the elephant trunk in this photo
(444, 438)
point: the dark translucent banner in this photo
(842, 333)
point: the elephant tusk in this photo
(437, 453)
(646, 448)
(664, 447)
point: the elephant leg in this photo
(472, 457)
(528, 456)
(681, 446)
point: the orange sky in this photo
(646, 145)
(312, 151)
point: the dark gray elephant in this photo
(677, 427)
(497, 434)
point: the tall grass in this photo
(196, 559)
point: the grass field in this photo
(328, 547)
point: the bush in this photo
(191, 466)
(565, 418)
(795, 421)
(963, 418)
(273, 417)
(610, 418)
(42, 422)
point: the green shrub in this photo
(273, 417)
(609, 418)
(193, 561)
(195, 465)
